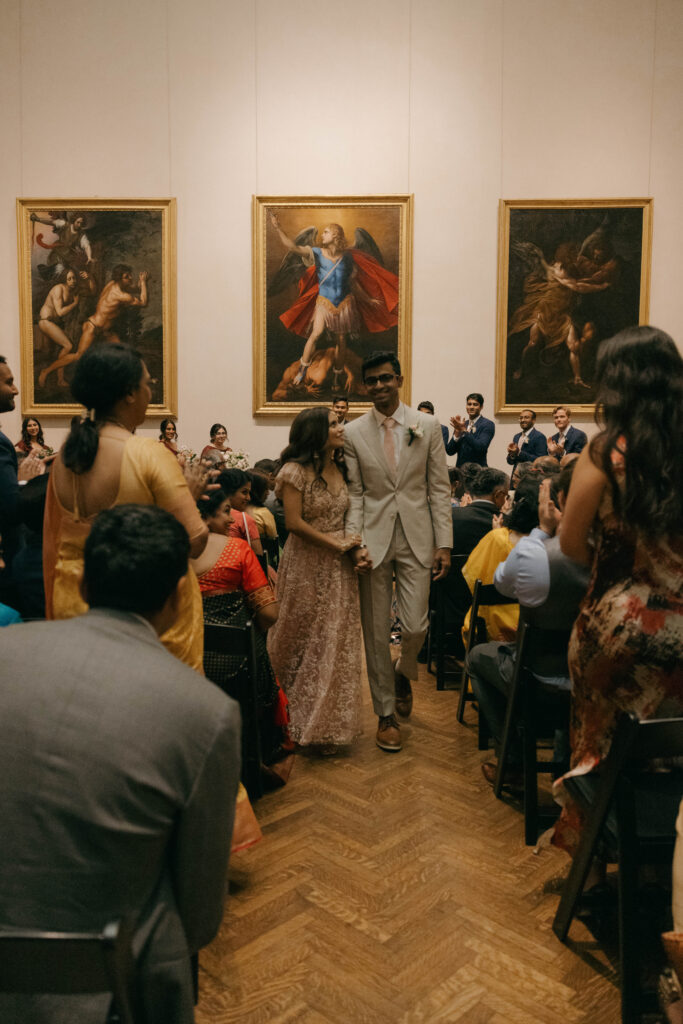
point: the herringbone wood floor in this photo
(394, 889)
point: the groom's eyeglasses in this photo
(383, 378)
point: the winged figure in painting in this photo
(342, 290)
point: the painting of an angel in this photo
(327, 302)
(570, 276)
(94, 272)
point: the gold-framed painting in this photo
(332, 282)
(571, 272)
(92, 271)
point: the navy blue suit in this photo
(575, 441)
(472, 447)
(444, 434)
(9, 515)
(536, 445)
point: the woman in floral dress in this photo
(315, 644)
(624, 516)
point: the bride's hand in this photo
(349, 543)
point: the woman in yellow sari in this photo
(103, 464)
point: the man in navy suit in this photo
(9, 485)
(568, 439)
(529, 443)
(471, 436)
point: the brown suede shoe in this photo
(513, 780)
(404, 694)
(388, 734)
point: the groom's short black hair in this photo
(378, 359)
(134, 557)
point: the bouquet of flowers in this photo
(237, 459)
(187, 454)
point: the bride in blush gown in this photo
(315, 644)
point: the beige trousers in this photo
(412, 599)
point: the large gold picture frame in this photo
(571, 272)
(92, 271)
(293, 304)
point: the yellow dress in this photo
(493, 548)
(150, 475)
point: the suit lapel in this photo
(370, 435)
(411, 418)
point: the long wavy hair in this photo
(308, 443)
(25, 437)
(639, 407)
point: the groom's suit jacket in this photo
(420, 493)
(118, 776)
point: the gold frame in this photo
(262, 405)
(505, 206)
(25, 207)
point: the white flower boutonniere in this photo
(413, 432)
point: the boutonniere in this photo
(413, 432)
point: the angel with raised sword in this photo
(342, 290)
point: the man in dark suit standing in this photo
(568, 439)
(528, 444)
(119, 768)
(471, 436)
(9, 485)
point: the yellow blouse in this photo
(493, 548)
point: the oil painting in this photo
(332, 283)
(93, 272)
(571, 273)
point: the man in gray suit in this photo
(401, 506)
(119, 768)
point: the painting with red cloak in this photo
(332, 283)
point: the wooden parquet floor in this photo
(395, 889)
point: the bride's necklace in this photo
(118, 423)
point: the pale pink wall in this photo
(458, 102)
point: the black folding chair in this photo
(440, 629)
(632, 811)
(70, 963)
(483, 596)
(271, 546)
(538, 712)
(240, 641)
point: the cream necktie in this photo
(389, 445)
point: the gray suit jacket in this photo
(119, 768)
(420, 494)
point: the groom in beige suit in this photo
(400, 505)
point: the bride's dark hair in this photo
(308, 442)
(639, 405)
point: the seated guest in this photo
(168, 435)
(521, 470)
(128, 803)
(568, 439)
(256, 508)
(217, 447)
(236, 486)
(457, 487)
(428, 408)
(549, 587)
(470, 523)
(274, 504)
(470, 471)
(32, 439)
(529, 443)
(547, 465)
(472, 435)
(268, 468)
(234, 589)
(494, 548)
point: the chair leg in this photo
(529, 755)
(464, 691)
(629, 965)
(483, 733)
(440, 623)
(578, 873)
